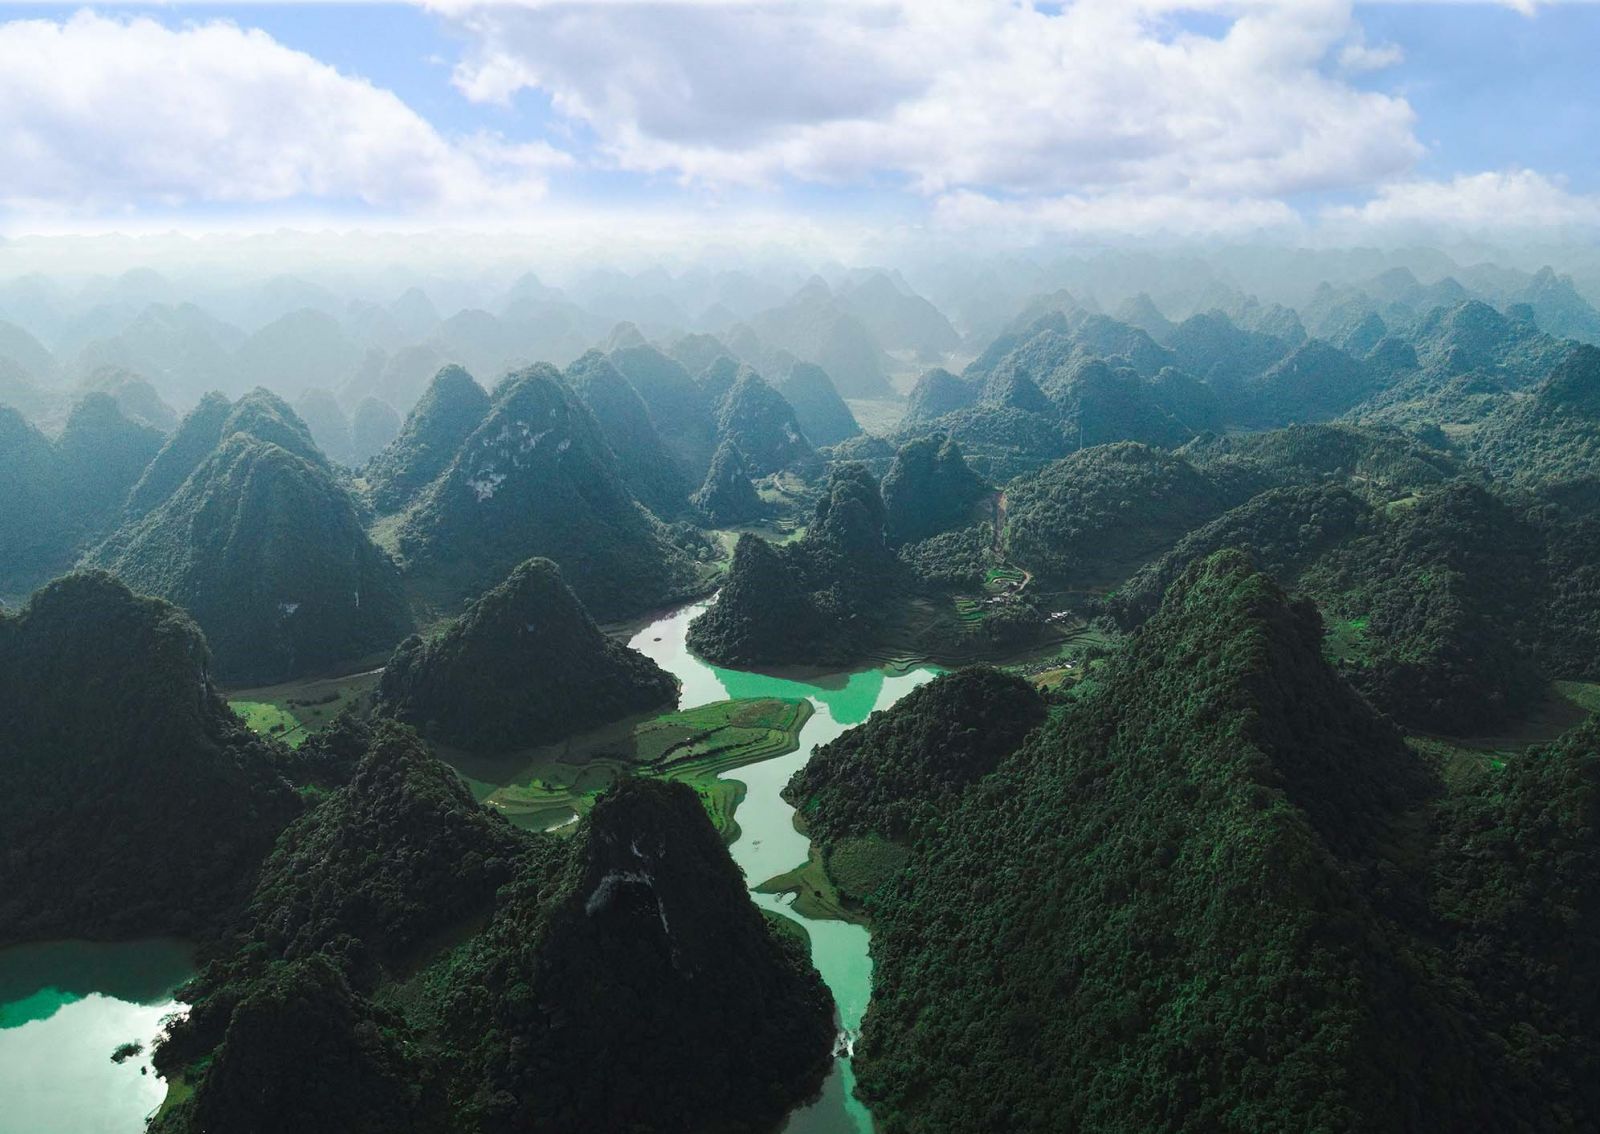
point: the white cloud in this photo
(1357, 55)
(1505, 202)
(1526, 7)
(1100, 95)
(101, 115)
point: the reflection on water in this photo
(64, 1008)
(769, 844)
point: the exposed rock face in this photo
(435, 429)
(616, 979)
(536, 478)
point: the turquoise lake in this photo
(66, 1006)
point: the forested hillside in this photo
(443, 969)
(266, 550)
(132, 801)
(524, 665)
(1059, 938)
(537, 478)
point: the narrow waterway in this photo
(769, 845)
(66, 1006)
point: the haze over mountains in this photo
(1262, 792)
(1012, 567)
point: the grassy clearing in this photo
(997, 578)
(815, 895)
(548, 786)
(833, 886)
(1584, 694)
(1346, 640)
(298, 709)
(878, 416)
(178, 1091)
(860, 866)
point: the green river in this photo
(768, 844)
(65, 1006)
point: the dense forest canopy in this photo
(132, 801)
(461, 974)
(1260, 792)
(1058, 937)
(523, 666)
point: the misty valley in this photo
(1090, 697)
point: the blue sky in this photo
(1096, 116)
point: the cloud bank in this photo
(1006, 117)
(107, 114)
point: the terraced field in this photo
(694, 746)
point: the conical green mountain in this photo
(651, 475)
(727, 496)
(525, 665)
(19, 390)
(937, 393)
(1096, 515)
(1315, 382)
(678, 408)
(260, 414)
(38, 539)
(103, 454)
(196, 436)
(1176, 921)
(1553, 436)
(1283, 529)
(902, 771)
(822, 413)
(135, 397)
(1434, 603)
(651, 962)
(326, 422)
(764, 613)
(929, 489)
(264, 415)
(132, 801)
(695, 352)
(717, 379)
(1217, 891)
(1474, 336)
(267, 553)
(373, 428)
(58, 497)
(762, 425)
(443, 970)
(451, 408)
(815, 601)
(536, 478)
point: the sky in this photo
(1310, 119)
